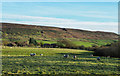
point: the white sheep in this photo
(32, 54)
(66, 56)
(91, 55)
(41, 54)
(74, 56)
(98, 58)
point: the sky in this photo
(94, 16)
(59, 0)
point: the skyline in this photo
(60, 1)
(78, 15)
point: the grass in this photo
(90, 42)
(46, 42)
(16, 60)
(102, 42)
(45, 51)
(86, 44)
(78, 42)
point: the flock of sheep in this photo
(33, 54)
(65, 56)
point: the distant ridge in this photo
(55, 32)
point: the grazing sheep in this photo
(66, 56)
(32, 54)
(41, 54)
(74, 56)
(108, 56)
(98, 58)
(91, 55)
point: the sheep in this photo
(98, 58)
(41, 54)
(74, 56)
(32, 54)
(66, 56)
(91, 55)
(108, 56)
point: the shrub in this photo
(66, 44)
(60, 44)
(5, 42)
(82, 47)
(20, 43)
(112, 50)
(32, 41)
(11, 44)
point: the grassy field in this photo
(84, 42)
(90, 42)
(46, 42)
(16, 60)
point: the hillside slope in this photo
(44, 32)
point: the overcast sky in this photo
(96, 16)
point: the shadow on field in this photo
(82, 56)
(81, 53)
(68, 54)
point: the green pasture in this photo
(16, 60)
(101, 42)
(90, 42)
(46, 42)
(45, 51)
(82, 42)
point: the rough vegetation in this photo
(20, 35)
(112, 50)
(45, 32)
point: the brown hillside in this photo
(54, 32)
